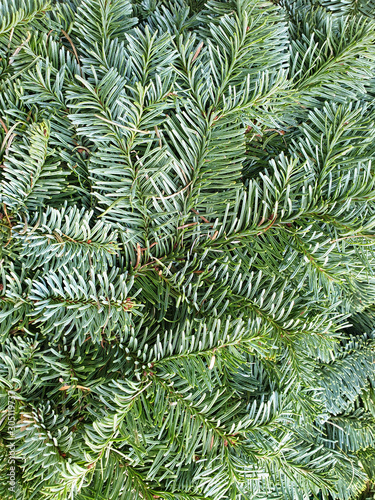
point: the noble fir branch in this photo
(187, 227)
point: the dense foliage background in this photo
(187, 265)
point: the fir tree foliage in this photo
(187, 267)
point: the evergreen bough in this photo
(187, 266)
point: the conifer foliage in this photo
(187, 294)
